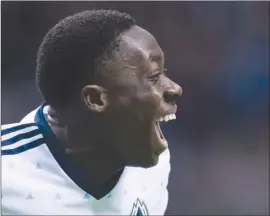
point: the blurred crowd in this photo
(219, 53)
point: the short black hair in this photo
(67, 57)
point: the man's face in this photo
(139, 96)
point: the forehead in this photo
(138, 47)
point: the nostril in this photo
(170, 96)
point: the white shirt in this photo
(34, 182)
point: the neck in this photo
(98, 165)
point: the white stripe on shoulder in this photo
(7, 126)
(22, 142)
(21, 131)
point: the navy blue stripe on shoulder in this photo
(16, 127)
(23, 148)
(20, 137)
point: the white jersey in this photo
(34, 181)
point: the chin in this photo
(143, 160)
(149, 165)
(149, 162)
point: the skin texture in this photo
(113, 125)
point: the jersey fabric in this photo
(39, 179)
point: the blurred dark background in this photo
(219, 53)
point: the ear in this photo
(95, 98)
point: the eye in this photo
(155, 77)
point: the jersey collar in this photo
(56, 147)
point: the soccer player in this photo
(94, 147)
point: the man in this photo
(95, 146)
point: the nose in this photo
(172, 93)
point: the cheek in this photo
(136, 103)
(130, 93)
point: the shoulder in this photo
(20, 146)
(19, 137)
(30, 117)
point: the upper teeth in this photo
(167, 117)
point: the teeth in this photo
(167, 118)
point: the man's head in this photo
(110, 73)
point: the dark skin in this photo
(113, 125)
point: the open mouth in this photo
(157, 126)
